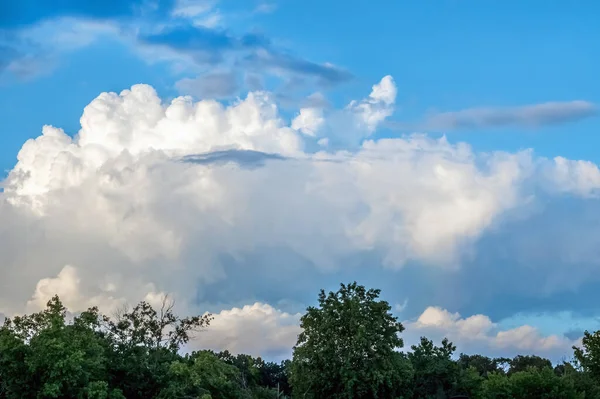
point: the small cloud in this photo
(400, 307)
(308, 121)
(324, 142)
(192, 8)
(536, 115)
(326, 74)
(247, 158)
(265, 8)
(214, 85)
(203, 43)
(316, 100)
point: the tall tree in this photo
(348, 348)
(435, 373)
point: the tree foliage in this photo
(350, 348)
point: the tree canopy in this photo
(350, 347)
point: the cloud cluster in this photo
(478, 334)
(218, 204)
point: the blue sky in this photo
(502, 77)
(447, 57)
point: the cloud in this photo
(258, 53)
(265, 8)
(347, 127)
(258, 330)
(67, 285)
(214, 85)
(223, 205)
(263, 330)
(378, 106)
(201, 12)
(243, 158)
(537, 115)
(308, 121)
(478, 334)
(189, 35)
(204, 45)
(36, 50)
(325, 74)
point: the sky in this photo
(240, 156)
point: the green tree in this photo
(543, 384)
(482, 364)
(145, 342)
(43, 356)
(348, 348)
(497, 386)
(587, 356)
(469, 382)
(435, 373)
(524, 363)
(247, 366)
(203, 373)
(531, 383)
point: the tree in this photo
(482, 364)
(203, 373)
(146, 327)
(145, 343)
(247, 366)
(469, 382)
(588, 356)
(347, 348)
(532, 383)
(524, 363)
(497, 386)
(43, 356)
(435, 373)
(274, 375)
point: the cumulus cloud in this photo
(378, 106)
(258, 329)
(578, 177)
(308, 121)
(478, 334)
(348, 126)
(221, 203)
(536, 115)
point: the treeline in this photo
(348, 348)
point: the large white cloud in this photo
(150, 197)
